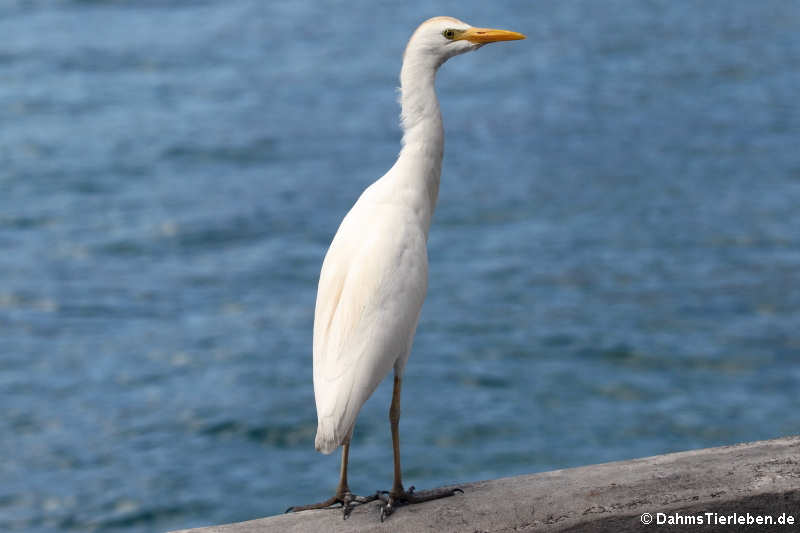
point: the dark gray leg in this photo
(398, 495)
(343, 495)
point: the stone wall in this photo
(725, 487)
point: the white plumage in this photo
(371, 290)
(375, 274)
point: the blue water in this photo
(615, 259)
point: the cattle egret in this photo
(375, 274)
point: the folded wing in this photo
(370, 294)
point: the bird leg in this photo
(398, 495)
(343, 495)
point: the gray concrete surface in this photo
(760, 478)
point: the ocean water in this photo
(615, 258)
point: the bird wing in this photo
(371, 289)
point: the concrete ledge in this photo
(762, 478)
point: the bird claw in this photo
(347, 507)
(389, 501)
(348, 501)
(408, 497)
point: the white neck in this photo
(419, 165)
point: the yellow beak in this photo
(488, 35)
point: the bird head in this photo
(440, 38)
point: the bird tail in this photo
(326, 440)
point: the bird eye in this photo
(449, 33)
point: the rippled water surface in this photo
(615, 259)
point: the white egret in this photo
(375, 274)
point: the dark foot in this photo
(348, 500)
(394, 499)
